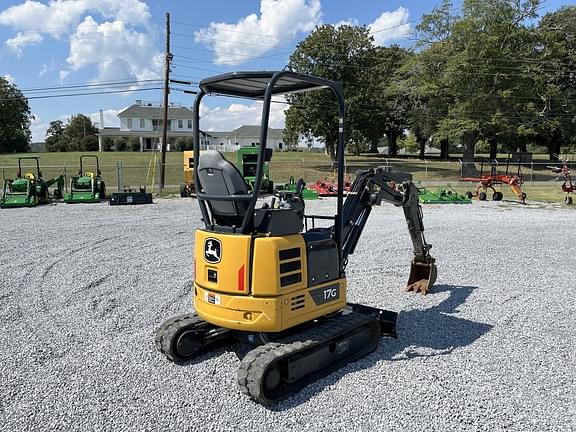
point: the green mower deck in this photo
(442, 196)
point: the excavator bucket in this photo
(422, 277)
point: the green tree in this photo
(481, 81)
(15, 119)
(56, 140)
(77, 130)
(341, 54)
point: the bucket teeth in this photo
(422, 277)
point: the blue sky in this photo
(54, 43)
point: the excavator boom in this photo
(370, 188)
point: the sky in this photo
(49, 46)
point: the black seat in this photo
(218, 176)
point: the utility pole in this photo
(167, 59)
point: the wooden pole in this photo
(167, 59)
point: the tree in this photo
(554, 83)
(15, 119)
(55, 137)
(341, 54)
(481, 79)
(78, 135)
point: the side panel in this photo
(269, 314)
(222, 262)
(310, 303)
(188, 167)
(279, 265)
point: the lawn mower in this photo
(488, 181)
(268, 284)
(248, 163)
(567, 185)
(291, 186)
(30, 189)
(86, 186)
(442, 195)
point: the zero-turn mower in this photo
(86, 186)
(267, 277)
(30, 189)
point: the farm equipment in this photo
(567, 185)
(187, 188)
(488, 181)
(291, 186)
(248, 163)
(445, 195)
(86, 186)
(31, 189)
(327, 188)
(266, 281)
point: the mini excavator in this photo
(267, 277)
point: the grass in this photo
(138, 169)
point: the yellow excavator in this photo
(267, 277)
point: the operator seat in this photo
(218, 176)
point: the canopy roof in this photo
(253, 84)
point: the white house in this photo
(144, 120)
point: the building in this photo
(144, 120)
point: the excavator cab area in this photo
(265, 276)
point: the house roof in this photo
(156, 112)
(250, 131)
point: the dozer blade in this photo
(422, 277)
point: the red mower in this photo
(488, 181)
(328, 188)
(567, 186)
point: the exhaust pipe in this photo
(422, 277)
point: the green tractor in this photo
(30, 189)
(248, 161)
(86, 187)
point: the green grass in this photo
(139, 170)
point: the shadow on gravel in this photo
(421, 333)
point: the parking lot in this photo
(492, 347)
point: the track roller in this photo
(186, 336)
(276, 370)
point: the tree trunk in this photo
(444, 149)
(422, 145)
(392, 144)
(554, 146)
(523, 148)
(469, 142)
(493, 148)
(373, 146)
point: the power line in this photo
(128, 90)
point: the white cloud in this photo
(118, 51)
(254, 35)
(115, 46)
(110, 117)
(348, 22)
(236, 115)
(46, 68)
(61, 16)
(390, 26)
(9, 78)
(22, 39)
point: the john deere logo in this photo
(212, 250)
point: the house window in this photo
(129, 123)
(279, 146)
(156, 124)
(189, 124)
(180, 124)
(142, 123)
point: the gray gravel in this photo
(83, 288)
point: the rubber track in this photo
(257, 361)
(169, 329)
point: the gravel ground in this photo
(83, 288)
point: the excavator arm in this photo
(370, 188)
